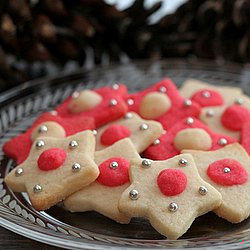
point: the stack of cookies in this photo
(163, 154)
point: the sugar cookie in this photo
(55, 168)
(169, 193)
(103, 194)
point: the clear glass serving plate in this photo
(90, 230)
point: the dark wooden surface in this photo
(12, 241)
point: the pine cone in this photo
(62, 32)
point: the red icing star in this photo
(234, 117)
(104, 112)
(227, 172)
(113, 134)
(172, 182)
(114, 172)
(18, 147)
(177, 113)
(165, 86)
(166, 149)
(178, 110)
(51, 159)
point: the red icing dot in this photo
(114, 176)
(207, 97)
(172, 181)
(51, 159)
(234, 117)
(227, 172)
(113, 134)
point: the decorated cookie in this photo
(162, 102)
(55, 168)
(228, 171)
(103, 194)
(164, 94)
(48, 124)
(141, 132)
(208, 95)
(189, 133)
(245, 136)
(169, 193)
(229, 119)
(103, 105)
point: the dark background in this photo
(43, 37)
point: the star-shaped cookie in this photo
(227, 170)
(207, 94)
(170, 193)
(55, 168)
(103, 194)
(162, 102)
(49, 124)
(189, 133)
(228, 119)
(103, 105)
(141, 132)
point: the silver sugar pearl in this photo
(76, 167)
(75, 94)
(226, 170)
(202, 190)
(43, 129)
(156, 142)
(73, 144)
(209, 113)
(94, 132)
(133, 194)
(40, 144)
(146, 163)
(183, 162)
(19, 172)
(163, 89)
(239, 101)
(187, 103)
(128, 115)
(189, 121)
(130, 102)
(206, 94)
(173, 207)
(112, 102)
(53, 112)
(37, 188)
(222, 141)
(115, 86)
(144, 126)
(113, 165)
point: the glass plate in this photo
(19, 108)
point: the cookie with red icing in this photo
(170, 194)
(55, 168)
(208, 95)
(227, 170)
(228, 119)
(47, 124)
(190, 133)
(245, 136)
(104, 105)
(103, 194)
(162, 102)
(141, 132)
